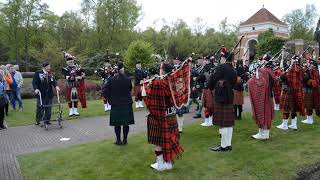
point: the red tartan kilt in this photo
(287, 101)
(207, 98)
(308, 100)
(136, 90)
(223, 115)
(68, 93)
(165, 134)
(277, 93)
(238, 97)
(157, 131)
(264, 120)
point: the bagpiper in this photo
(238, 89)
(207, 94)
(105, 74)
(162, 121)
(277, 86)
(199, 85)
(75, 88)
(222, 81)
(139, 75)
(311, 90)
(292, 99)
(261, 97)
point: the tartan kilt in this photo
(207, 102)
(238, 97)
(308, 100)
(265, 120)
(165, 133)
(136, 90)
(287, 101)
(121, 115)
(277, 92)
(223, 115)
(207, 98)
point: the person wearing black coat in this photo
(118, 93)
(223, 81)
(43, 83)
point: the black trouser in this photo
(117, 130)
(44, 113)
(1, 116)
(6, 107)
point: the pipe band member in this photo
(311, 90)
(162, 121)
(75, 89)
(139, 75)
(261, 97)
(292, 100)
(222, 81)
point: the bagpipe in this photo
(73, 71)
(234, 48)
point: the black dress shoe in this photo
(48, 123)
(219, 148)
(229, 148)
(3, 127)
(118, 143)
(180, 132)
(197, 116)
(124, 142)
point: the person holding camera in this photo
(43, 83)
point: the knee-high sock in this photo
(229, 135)
(117, 130)
(125, 132)
(224, 137)
(180, 122)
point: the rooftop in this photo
(263, 15)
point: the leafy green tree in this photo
(268, 42)
(301, 22)
(12, 11)
(139, 51)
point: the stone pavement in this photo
(27, 139)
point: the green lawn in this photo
(279, 158)
(27, 116)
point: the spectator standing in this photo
(17, 82)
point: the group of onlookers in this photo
(11, 82)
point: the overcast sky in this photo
(211, 11)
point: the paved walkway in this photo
(27, 139)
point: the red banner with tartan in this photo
(179, 83)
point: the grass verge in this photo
(285, 154)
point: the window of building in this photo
(278, 28)
(253, 28)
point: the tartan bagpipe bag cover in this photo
(179, 83)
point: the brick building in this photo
(261, 21)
